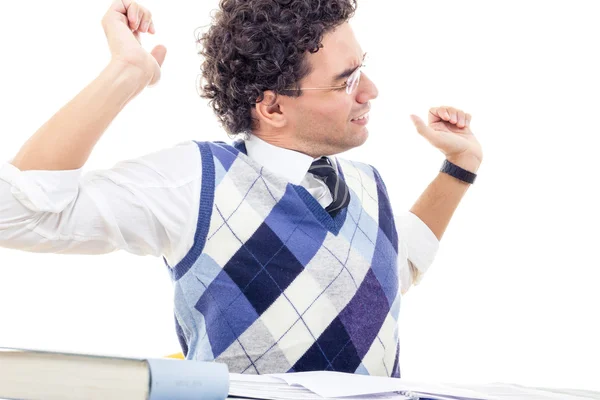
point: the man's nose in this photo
(366, 89)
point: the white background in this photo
(512, 295)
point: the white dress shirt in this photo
(149, 206)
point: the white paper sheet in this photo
(335, 385)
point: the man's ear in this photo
(270, 110)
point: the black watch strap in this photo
(457, 172)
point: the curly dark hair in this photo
(258, 45)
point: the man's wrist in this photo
(458, 172)
(127, 77)
(469, 163)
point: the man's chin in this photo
(356, 139)
(362, 136)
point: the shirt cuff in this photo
(421, 243)
(42, 191)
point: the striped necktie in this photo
(323, 169)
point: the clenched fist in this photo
(449, 130)
(123, 23)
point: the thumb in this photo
(433, 137)
(159, 53)
(421, 127)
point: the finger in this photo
(159, 53)
(138, 17)
(146, 19)
(423, 129)
(132, 16)
(444, 113)
(151, 28)
(432, 115)
(120, 6)
(461, 119)
(453, 115)
(418, 122)
(468, 119)
(440, 140)
(437, 114)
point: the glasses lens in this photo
(353, 81)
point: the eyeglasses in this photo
(350, 85)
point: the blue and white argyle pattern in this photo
(274, 283)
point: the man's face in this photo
(324, 122)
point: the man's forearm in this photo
(66, 140)
(438, 202)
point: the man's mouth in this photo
(362, 119)
(365, 115)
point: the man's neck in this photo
(290, 164)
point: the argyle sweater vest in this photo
(274, 284)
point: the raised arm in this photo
(449, 131)
(65, 142)
(143, 206)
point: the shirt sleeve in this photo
(420, 245)
(145, 206)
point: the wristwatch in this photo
(457, 172)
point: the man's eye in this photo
(341, 87)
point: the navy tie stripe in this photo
(323, 169)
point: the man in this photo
(284, 257)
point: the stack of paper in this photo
(335, 385)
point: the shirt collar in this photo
(289, 164)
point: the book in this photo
(36, 374)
